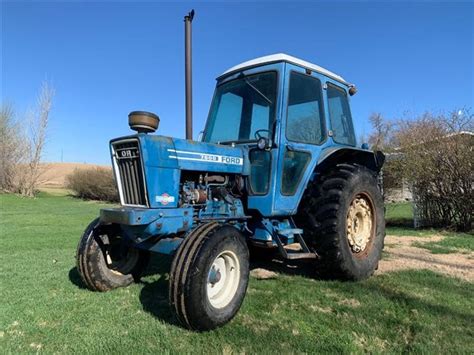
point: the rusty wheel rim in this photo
(360, 224)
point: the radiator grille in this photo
(128, 167)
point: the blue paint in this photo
(140, 224)
(163, 246)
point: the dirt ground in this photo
(402, 255)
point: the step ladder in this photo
(286, 251)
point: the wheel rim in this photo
(119, 259)
(223, 279)
(360, 223)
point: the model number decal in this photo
(213, 158)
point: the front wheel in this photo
(105, 261)
(209, 276)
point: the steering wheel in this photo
(258, 133)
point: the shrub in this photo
(433, 154)
(438, 163)
(93, 184)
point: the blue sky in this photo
(106, 59)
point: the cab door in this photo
(303, 135)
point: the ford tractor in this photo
(277, 169)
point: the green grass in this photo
(399, 221)
(452, 243)
(399, 218)
(44, 307)
(399, 211)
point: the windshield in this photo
(242, 107)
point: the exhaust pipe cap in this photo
(143, 122)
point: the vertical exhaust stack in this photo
(188, 19)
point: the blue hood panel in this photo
(166, 152)
(164, 158)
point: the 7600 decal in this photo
(203, 157)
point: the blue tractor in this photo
(278, 168)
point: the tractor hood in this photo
(167, 152)
(163, 159)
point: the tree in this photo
(12, 147)
(22, 144)
(29, 171)
(437, 160)
(380, 138)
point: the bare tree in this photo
(12, 147)
(380, 137)
(28, 172)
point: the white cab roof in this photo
(281, 57)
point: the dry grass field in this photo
(53, 175)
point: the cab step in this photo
(297, 256)
(291, 252)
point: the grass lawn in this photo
(44, 307)
(399, 217)
(453, 243)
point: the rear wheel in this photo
(343, 220)
(209, 276)
(105, 261)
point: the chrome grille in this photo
(129, 173)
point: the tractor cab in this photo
(287, 113)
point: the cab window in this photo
(340, 116)
(304, 122)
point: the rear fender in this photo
(373, 160)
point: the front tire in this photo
(209, 276)
(104, 261)
(342, 215)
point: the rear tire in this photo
(103, 260)
(209, 276)
(342, 214)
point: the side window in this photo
(294, 164)
(260, 167)
(304, 122)
(340, 116)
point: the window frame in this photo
(238, 77)
(339, 88)
(322, 110)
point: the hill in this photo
(53, 175)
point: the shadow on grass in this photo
(418, 303)
(406, 223)
(75, 278)
(154, 294)
(282, 266)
